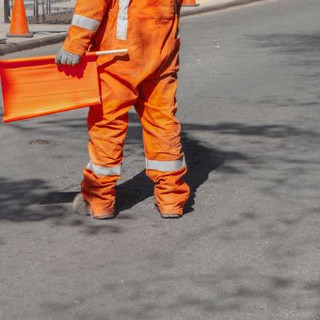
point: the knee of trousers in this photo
(162, 138)
(106, 141)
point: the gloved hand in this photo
(65, 57)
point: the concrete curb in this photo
(35, 43)
(32, 43)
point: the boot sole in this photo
(167, 215)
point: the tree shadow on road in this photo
(275, 146)
(19, 201)
(202, 159)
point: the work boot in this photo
(81, 206)
(167, 215)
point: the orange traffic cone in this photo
(19, 24)
(189, 3)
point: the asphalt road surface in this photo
(249, 247)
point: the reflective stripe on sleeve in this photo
(104, 171)
(165, 165)
(84, 22)
(122, 22)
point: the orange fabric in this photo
(94, 9)
(99, 191)
(78, 40)
(37, 86)
(170, 191)
(189, 3)
(147, 79)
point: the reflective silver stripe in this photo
(165, 165)
(104, 171)
(122, 23)
(84, 22)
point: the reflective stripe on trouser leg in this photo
(107, 128)
(85, 22)
(99, 191)
(104, 171)
(165, 166)
(98, 186)
(170, 192)
(161, 134)
(122, 21)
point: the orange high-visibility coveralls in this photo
(146, 78)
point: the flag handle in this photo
(50, 59)
(106, 52)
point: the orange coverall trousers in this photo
(146, 78)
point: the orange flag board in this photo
(34, 87)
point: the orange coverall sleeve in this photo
(88, 15)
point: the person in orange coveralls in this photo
(145, 78)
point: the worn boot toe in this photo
(81, 206)
(167, 215)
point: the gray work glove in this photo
(65, 57)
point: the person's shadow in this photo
(201, 160)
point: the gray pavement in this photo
(249, 247)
